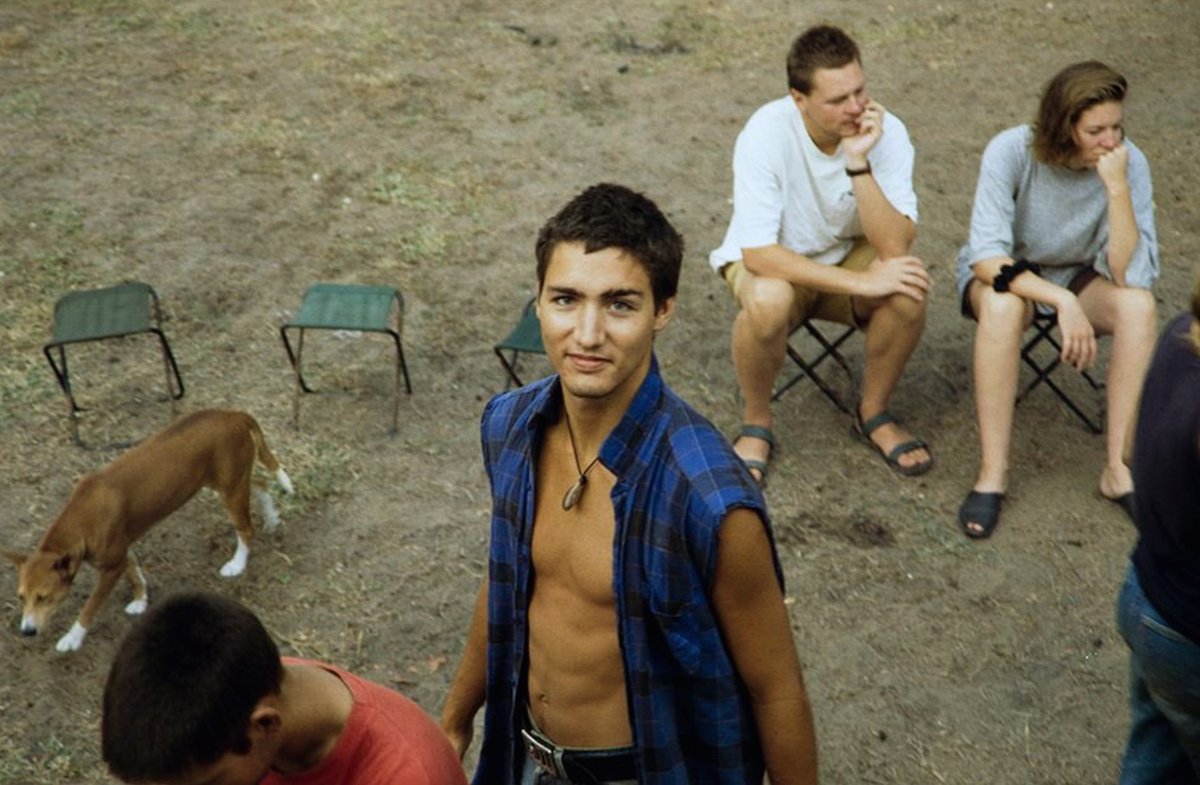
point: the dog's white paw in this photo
(233, 568)
(284, 481)
(73, 639)
(237, 565)
(137, 607)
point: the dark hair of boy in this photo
(182, 687)
(613, 216)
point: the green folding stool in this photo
(356, 307)
(99, 314)
(526, 337)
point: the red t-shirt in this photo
(388, 740)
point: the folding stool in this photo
(1043, 332)
(354, 307)
(524, 338)
(808, 368)
(100, 314)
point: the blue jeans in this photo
(1164, 694)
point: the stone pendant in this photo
(571, 498)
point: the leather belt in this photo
(584, 767)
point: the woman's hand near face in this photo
(1112, 167)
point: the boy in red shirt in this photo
(198, 693)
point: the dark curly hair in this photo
(613, 216)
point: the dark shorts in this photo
(1076, 285)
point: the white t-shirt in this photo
(786, 191)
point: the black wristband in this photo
(856, 172)
(1008, 272)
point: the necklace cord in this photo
(583, 473)
(571, 497)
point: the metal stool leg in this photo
(1043, 326)
(807, 369)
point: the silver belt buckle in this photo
(545, 756)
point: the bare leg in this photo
(760, 334)
(1002, 320)
(1128, 315)
(895, 327)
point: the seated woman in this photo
(1063, 220)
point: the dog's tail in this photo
(267, 458)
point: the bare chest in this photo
(573, 548)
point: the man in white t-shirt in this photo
(824, 215)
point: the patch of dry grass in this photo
(36, 269)
(49, 760)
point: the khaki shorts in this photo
(809, 303)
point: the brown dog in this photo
(109, 510)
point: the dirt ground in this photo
(232, 153)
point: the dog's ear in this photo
(18, 559)
(66, 565)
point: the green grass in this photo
(66, 219)
(133, 22)
(199, 25)
(24, 383)
(26, 103)
(48, 760)
(319, 471)
(428, 205)
(406, 190)
(48, 274)
(423, 244)
(43, 267)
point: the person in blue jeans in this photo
(1158, 609)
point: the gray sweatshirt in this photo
(1053, 216)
